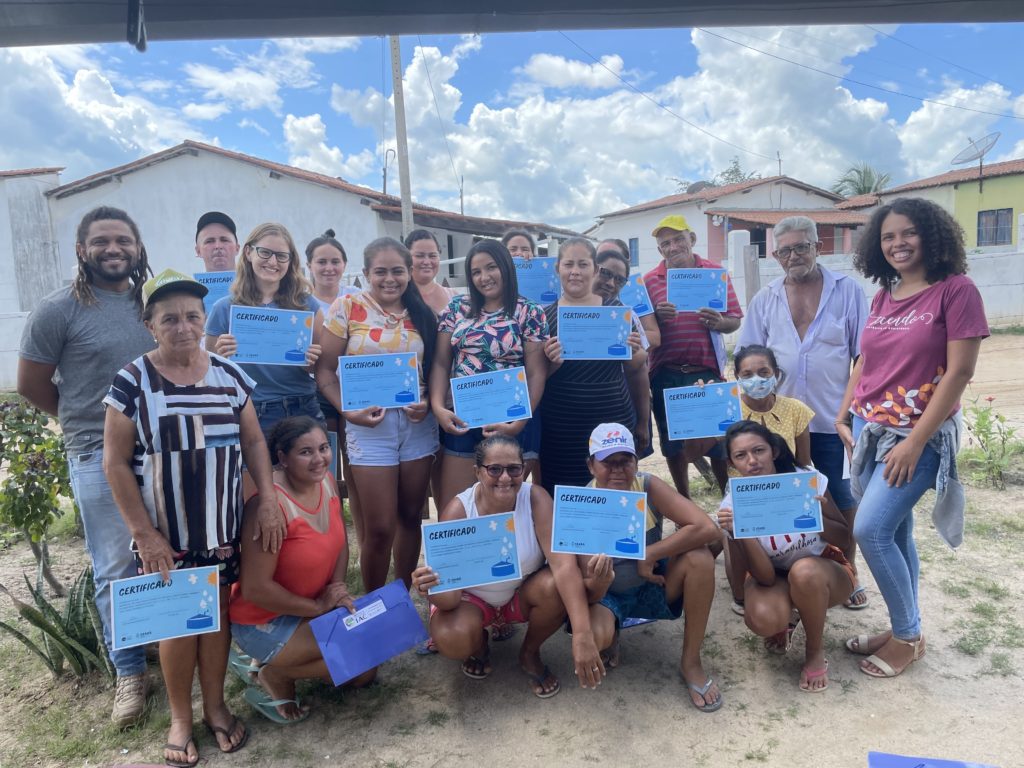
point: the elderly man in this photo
(216, 241)
(84, 334)
(811, 318)
(692, 348)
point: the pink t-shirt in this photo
(904, 348)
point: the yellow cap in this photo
(675, 221)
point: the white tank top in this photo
(531, 556)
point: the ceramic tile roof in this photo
(771, 217)
(858, 201)
(28, 172)
(966, 173)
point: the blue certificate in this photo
(634, 294)
(383, 381)
(144, 609)
(595, 333)
(271, 336)
(218, 285)
(772, 505)
(538, 279)
(693, 289)
(491, 398)
(706, 411)
(472, 552)
(886, 760)
(591, 521)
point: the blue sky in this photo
(538, 130)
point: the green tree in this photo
(861, 179)
(734, 174)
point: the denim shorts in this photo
(645, 601)
(464, 445)
(264, 641)
(269, 412)
(394, 440)
(827, 453)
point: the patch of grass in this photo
(993, 589)
(847, 686)
(402, 729)
(1012, 635)
(437, 718)
(792, 711)
(955, 589)
(544, 731)
(751, 642)
(762, 753)
(1008, 330)
(1000, 665)
(976, 637)
(985, 611)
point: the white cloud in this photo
(306, 138)
(208, 111)
(558, 72)
(241, 85)
(245, 122)
(153, 85)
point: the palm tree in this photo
(860, 180)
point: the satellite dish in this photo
(716, 220)
(976, 151)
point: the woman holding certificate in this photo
(179, 412)
(279, 592)
(918, 353)
(677, 578)
(269, 276)
(460, 618)
(491, 328)
(390, 449)
(789, 578)
(580, 394)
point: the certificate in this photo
(491, 398)
(592, 521)
(595, 333)
(144, 609)
(383, 381)
(538, 279)
(472, 552)
(271, 336)
(706, 411)
(634, 294)
(886, 760)
(218, 285)
(772, 505)
(693, 289)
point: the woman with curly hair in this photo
(900, 416)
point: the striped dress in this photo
(578, 396)
(188, 456)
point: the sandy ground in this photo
(963, 700)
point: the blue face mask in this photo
(758, 387)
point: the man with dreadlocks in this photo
(73, 345)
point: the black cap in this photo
(215, 217)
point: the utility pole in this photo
(403, 147)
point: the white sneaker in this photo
(130, 699)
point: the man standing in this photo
(692, 347)
(84, 334)
(812, 318)
(216, 241)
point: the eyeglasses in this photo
(495, 470)
(678, 241)
(607, 274)
(265, 254)
(800, 249)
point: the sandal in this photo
(226, 733)
(243, 665)
(781, 642)
(478, 667)
(502, 631)
(610, 655)
(860, 643)
(737, 607)
(852, 604)
(816, 674)
(701, 690)
(267, 706)
(539, 680)
(184, 750)
(887, 670)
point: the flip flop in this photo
(483, 662)
(226, 733)
(850, 605)
(815, 675)
(539, 681)
(781, 642)
(701, 690)
(502, 632)
(267, 707)
(184, 749)
(241, 664)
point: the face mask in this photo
(758, 387)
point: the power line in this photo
(859, 82)
(661, 106)
(936, 56)
(437, 109)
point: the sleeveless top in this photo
(531, 556)
(626, 577)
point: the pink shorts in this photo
(510, 613)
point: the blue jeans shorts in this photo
(394, 440)
(270, 412)
(464, 445)
(264, 641)
(646, 601)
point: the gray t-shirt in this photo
(89, 344)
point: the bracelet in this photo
(843, 422)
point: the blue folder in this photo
(384, 625)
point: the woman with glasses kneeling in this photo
(677, 578)
(459, 619)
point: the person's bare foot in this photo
(696, 678)
(814, 675)
(610, 656)
(897, 654)
(229, 731)
(181, 747)
(543, 683)
(279, 687)
(870, 645)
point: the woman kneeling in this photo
(278, 593)
(460, 619)
(793, 577)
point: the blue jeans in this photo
(884, 530)
(109, 546)
(827, 452)
(269, 412)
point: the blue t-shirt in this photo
(273, 382)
